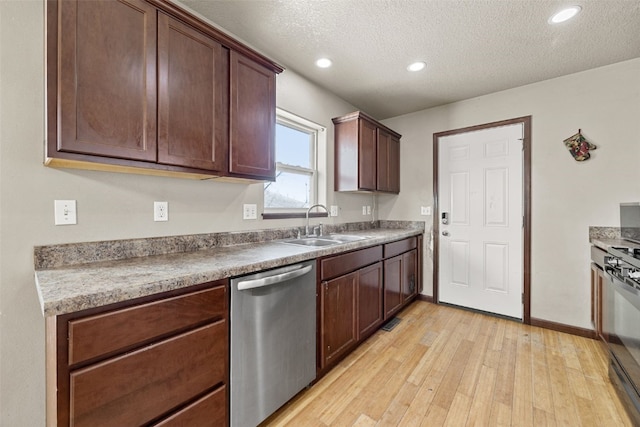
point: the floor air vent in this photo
(391, 324)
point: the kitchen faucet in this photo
(309, 210)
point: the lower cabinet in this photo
(351, 310)
(401, 268)
(338, 316)
(358, 291)
(350, 302)
(369, 299)
(157, 361)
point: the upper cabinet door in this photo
(252, 119)
(388, 162)
(107, 79)
(367, 153)
(192, 97)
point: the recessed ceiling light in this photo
(417, 66)
(565, 14)
(324, 63)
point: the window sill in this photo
(287, 215)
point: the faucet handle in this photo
(298, 233)
(320, 230)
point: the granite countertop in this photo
(606, 237)
(78, 286)
(605, 244)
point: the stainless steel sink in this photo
(334, 239)
(313, 241)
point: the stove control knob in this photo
(634, 274)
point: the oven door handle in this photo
(619, 283)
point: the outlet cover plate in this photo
(425, 210)
(65, 212)
(334, 210)
(161, 211)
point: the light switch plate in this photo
(65, 212)
(364, 210)
(250, 211)
(368, 210)
(334, 210)
(425, 210)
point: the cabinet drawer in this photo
(396, 248)
(597, 256)
(110, 332)
(342, 264)
(135, 388)
(210, 410)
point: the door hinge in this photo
(522, 221)
(523, 298)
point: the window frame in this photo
(293, 121)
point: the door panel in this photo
(480, 190)
(367, 155)
(252, 118)
(192, 111)
(369, 299)
(108, 101)
(338, 317)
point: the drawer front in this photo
(396, 248)
(345, 263)
(110, 332)
(137, 387)
(597, 256)
(210, 410)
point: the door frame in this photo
(526, 207)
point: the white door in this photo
(480, 198)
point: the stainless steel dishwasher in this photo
(273, 340)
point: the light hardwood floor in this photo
(443, 366)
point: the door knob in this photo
(445, 233)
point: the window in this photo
(296, 185)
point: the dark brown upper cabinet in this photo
(192, 99)
(107, 81)
(367, 155)
(142, 86)
(253, 119)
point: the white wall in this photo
(110, 206)
(567, 196)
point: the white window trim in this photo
(292, 120)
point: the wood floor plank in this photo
(459, 411)
(446, 366)
(480, 411)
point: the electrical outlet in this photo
(334, 210)
(161, 211)
(364, 210)
(250, 211)
(368, 210)
(425, 210)
(65, 212)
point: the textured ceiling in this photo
(472, 47)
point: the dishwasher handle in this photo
(271, 280)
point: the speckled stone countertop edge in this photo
(599, 233)
(73, 288)
(60, 255)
